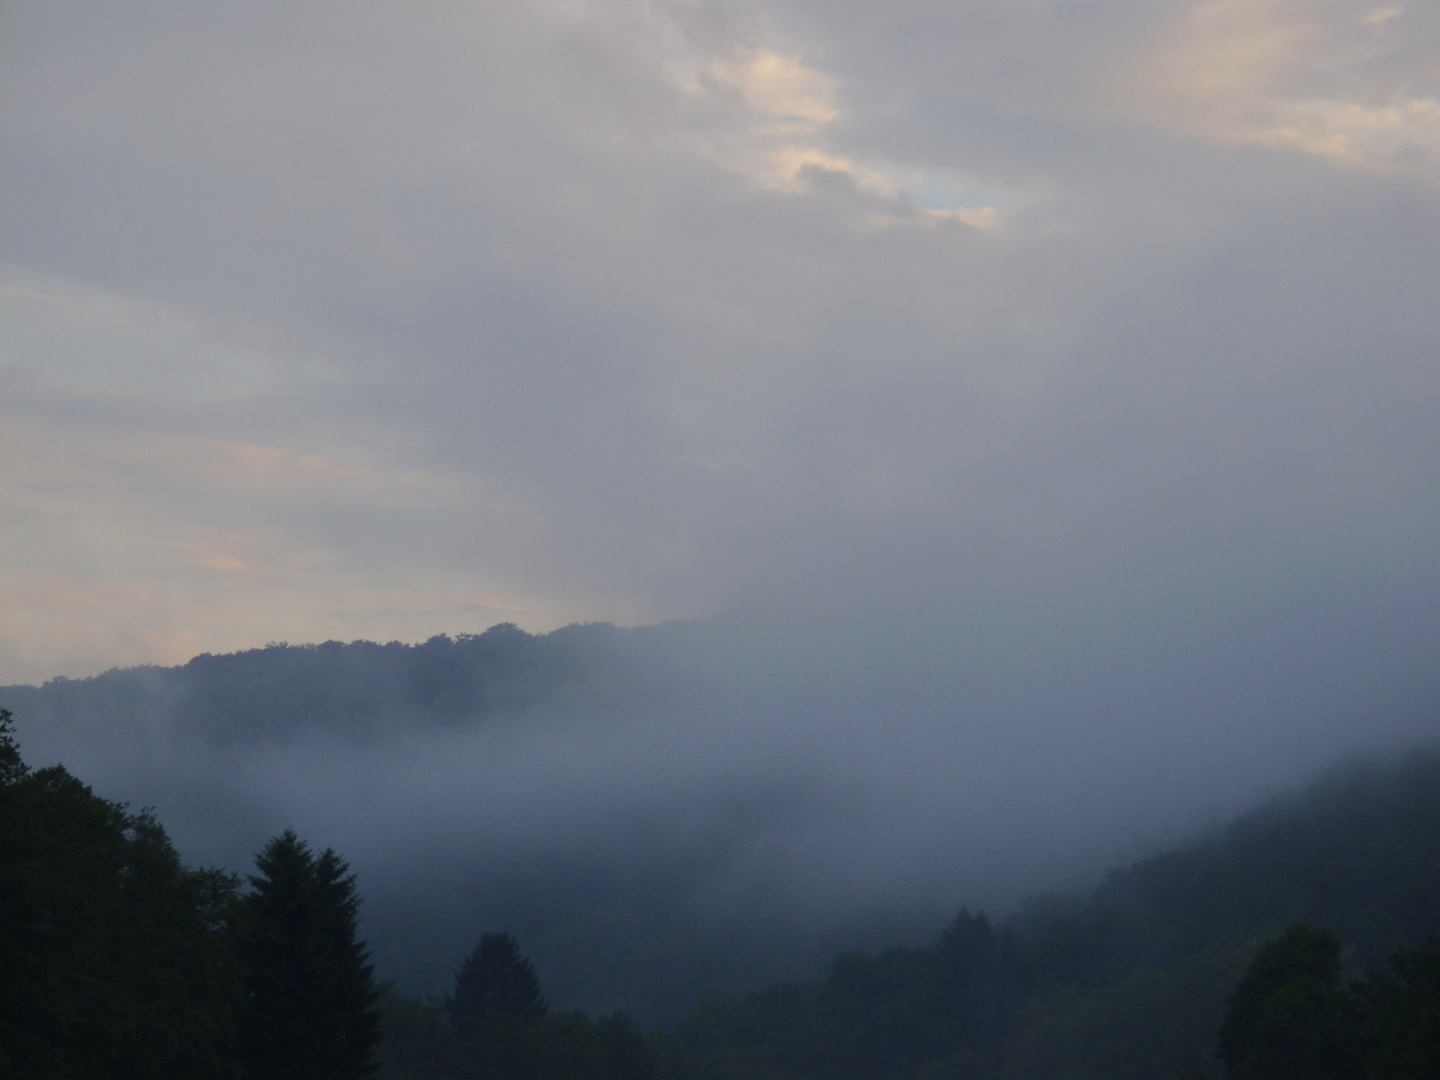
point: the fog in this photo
(719, 805)
(1015, 421)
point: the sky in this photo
(343, 320)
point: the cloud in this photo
(1346, 81)
(783, 87)
(633, 311)
(1405, 132)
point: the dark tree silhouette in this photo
(310, 997)
(11, 767)
(494, 983)
(113, 959)
(979, 986)
(495, 1010)
(1290, 1018)
(1402, 1012)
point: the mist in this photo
(711, 806)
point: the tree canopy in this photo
(495, 984)
(113, 962)
(119, 963)
(310, 996)
(1291, 1018)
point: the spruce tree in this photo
(494, 1010)
(12, 768)
(495, 982)
(310, 996)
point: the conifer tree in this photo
(494, 983)
(495, 1009)
(310, 996)
(12, 768)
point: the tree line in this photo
(1293, 1017)
(117, 962)
(1136, 980)
(496, 1025)
(964, 1008)
(361, 687)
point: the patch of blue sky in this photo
(937, 191)
(934, 191)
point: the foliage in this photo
(941, 1011)
(1133, 982)
(495, 983)
(1290, 1018)
(1401, 1010)
(310, 998)
(495, 1025)
(1152, 1023)
(112, 959)
(11, 767)
(119, 963)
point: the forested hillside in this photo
(614, 898)
(360, 687)
(1129, 983)
(673, 812)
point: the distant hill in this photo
(356, 688)
(670, 812)
(1357, 851)
(1128, 983)
(618, 902)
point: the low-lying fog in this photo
(720, 804)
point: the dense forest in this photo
(1132, 982)
(1302, 932)
(116, 961)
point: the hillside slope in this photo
(1128, 983)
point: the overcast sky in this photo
(338, 320)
